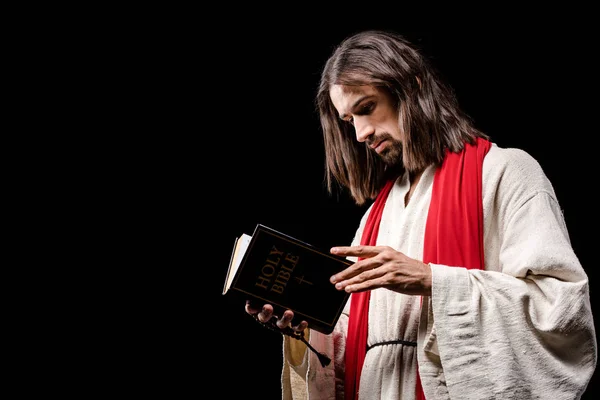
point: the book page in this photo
(238, 253)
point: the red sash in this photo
(453, 236)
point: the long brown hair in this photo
(428, 111)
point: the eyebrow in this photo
(355, 105)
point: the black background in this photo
(226, 136)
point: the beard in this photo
(391, 155)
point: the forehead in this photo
(344, 97)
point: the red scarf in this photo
(453, 236)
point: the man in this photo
(465, 284)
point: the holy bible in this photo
(270, 267)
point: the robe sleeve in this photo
(523, 327)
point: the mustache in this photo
(376, 139)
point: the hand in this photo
(265, 314)
(382, 267)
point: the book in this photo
(271, 267)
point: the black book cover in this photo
(288, 273)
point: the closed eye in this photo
(363, 109)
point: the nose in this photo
(363, 129)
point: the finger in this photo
(285, 319)
(357, 251)
(265, 313)
(367, 281)
(364, 286)
(355, 269)
(301, 326)
(252, 308)
(371, 278)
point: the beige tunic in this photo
(520, 329)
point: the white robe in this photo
(520, 329)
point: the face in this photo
(373, 114)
